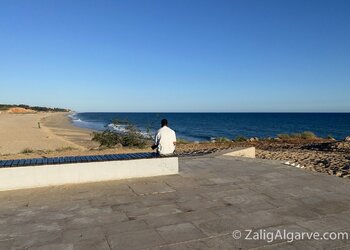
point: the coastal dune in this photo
(20, 132)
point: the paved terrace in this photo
(197, 209)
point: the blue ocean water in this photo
(205, 126)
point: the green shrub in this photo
(222, 139)
(284, 136)
(130, 138)
(295, 136)
(240, 138)
(308, 135)
(27, 151)
(304, 135)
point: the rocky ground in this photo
(326, 156)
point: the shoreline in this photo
(58, 136)
(62, 126)
(211, 126)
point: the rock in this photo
(339, 173)
(253, 139)
(347, 139)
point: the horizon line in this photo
(220, 112)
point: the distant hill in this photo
(31, 108)
(20, 111)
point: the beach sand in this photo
(19, 132)
(60, 125)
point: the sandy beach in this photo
(21, 138)
(20, 132)
(60, 125)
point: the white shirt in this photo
(165, 139)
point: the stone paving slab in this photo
(197, 209)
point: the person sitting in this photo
(165, 139)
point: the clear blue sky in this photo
(176, 55)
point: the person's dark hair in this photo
(164, 122)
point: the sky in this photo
(176, 55)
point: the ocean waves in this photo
(208, 126)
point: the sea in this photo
(208, 126)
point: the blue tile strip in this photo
(74, 159)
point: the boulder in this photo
(347, 139)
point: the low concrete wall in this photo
(242, 152)
(50, 175)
